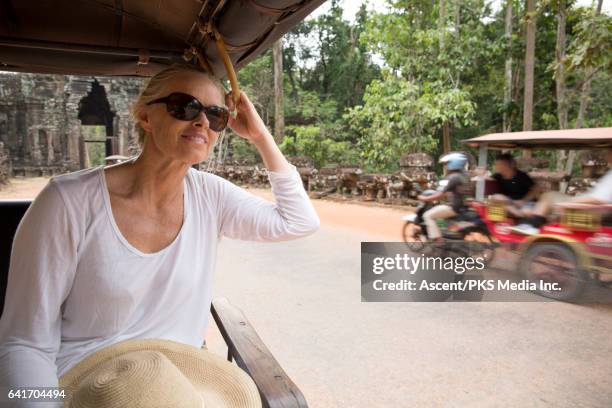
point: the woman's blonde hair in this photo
(154, 89)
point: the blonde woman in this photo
(109, 254)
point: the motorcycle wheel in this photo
(481, 244)
(413, 236)
(555, 263)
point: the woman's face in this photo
(189, 142)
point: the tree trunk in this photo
(279, 114)
(560, 76)
(529, 68)
(457, 34)
(560, 69)
(507, 127)
(441, 33)
(445, 138)
(294, 91)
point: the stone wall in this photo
(5, 166)
(344, 181)
(41, 117)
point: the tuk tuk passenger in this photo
(518, 190)
(601, 193)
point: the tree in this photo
(324, 55)
(435, 51)
(279, 107)
(562, 105)
(589, 52)
(442, 33)
(328, 69)
(530, 18)
(453, 63)
(507, 127)
(255, 79)
(399, 116)
(560, 59)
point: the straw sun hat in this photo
(157, 374)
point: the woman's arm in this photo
(42, 267)
(249, 125)
(245, 216)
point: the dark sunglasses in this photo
(186, 107)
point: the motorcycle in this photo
(467, 226)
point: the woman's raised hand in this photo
(247, 123)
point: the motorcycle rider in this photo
(457, 187)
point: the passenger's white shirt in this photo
(602, 191)
(77, 285)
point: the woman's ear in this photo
(144, 121)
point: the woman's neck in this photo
(153, 178)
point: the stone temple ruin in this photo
(42, 118)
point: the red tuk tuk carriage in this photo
(574, 247)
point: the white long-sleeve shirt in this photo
(77, 285)
(602, 191)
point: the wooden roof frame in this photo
(591, 138)
(132, 38)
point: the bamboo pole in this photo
(229, 68)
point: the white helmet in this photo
(454, 161)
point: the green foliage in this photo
(342, 107)
(97, 153)
(256, 79)
(95, 150)
(590, 48)
(326, 71)
(600, 112)
(316, 142)
(429, 57)
(243, 149)
(310, 108)
(414, 41)
(399, 117)
(340, 67)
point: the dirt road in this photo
(23, 188)
(304, 299)
(375, 220)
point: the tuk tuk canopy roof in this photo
(139, 37)
(593, 138)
